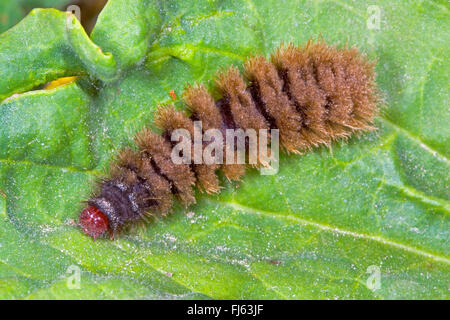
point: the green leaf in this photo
(320, 228)
(58, 47)
(10, 14)
(12, 11)
(127, 28)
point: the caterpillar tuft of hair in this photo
(312, 94)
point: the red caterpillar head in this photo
(93, 222)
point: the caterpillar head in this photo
(93, 222)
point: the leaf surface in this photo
(320, 228)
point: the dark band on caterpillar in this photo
(313, 94)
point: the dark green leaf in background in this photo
(11, 11)
(315, 230)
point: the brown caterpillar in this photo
(313, 94)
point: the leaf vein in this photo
(340, 231)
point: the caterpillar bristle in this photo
(202, 105)
(239, 101)
(267, 90)
(313, 94)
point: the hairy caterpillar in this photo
(312, 94)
